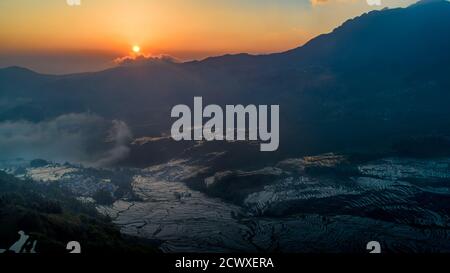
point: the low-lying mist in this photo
(76, 137)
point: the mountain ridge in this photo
(316, 42)
(378, 78)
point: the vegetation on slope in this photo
(53, 217)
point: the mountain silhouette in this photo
(374, 80)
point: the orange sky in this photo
(51, 36)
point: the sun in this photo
(136, 49)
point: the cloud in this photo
(149, 139)
(318, 2)
(120, 136)
(145, 59)
(324, 2)
(82, 138)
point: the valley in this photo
(299, 205)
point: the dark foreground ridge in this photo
(53, 217)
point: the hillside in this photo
(374, 81)
(53, 217)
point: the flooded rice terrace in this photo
(401, 203)
(306, 214)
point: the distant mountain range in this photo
(377, 79)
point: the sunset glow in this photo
(97, 32)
